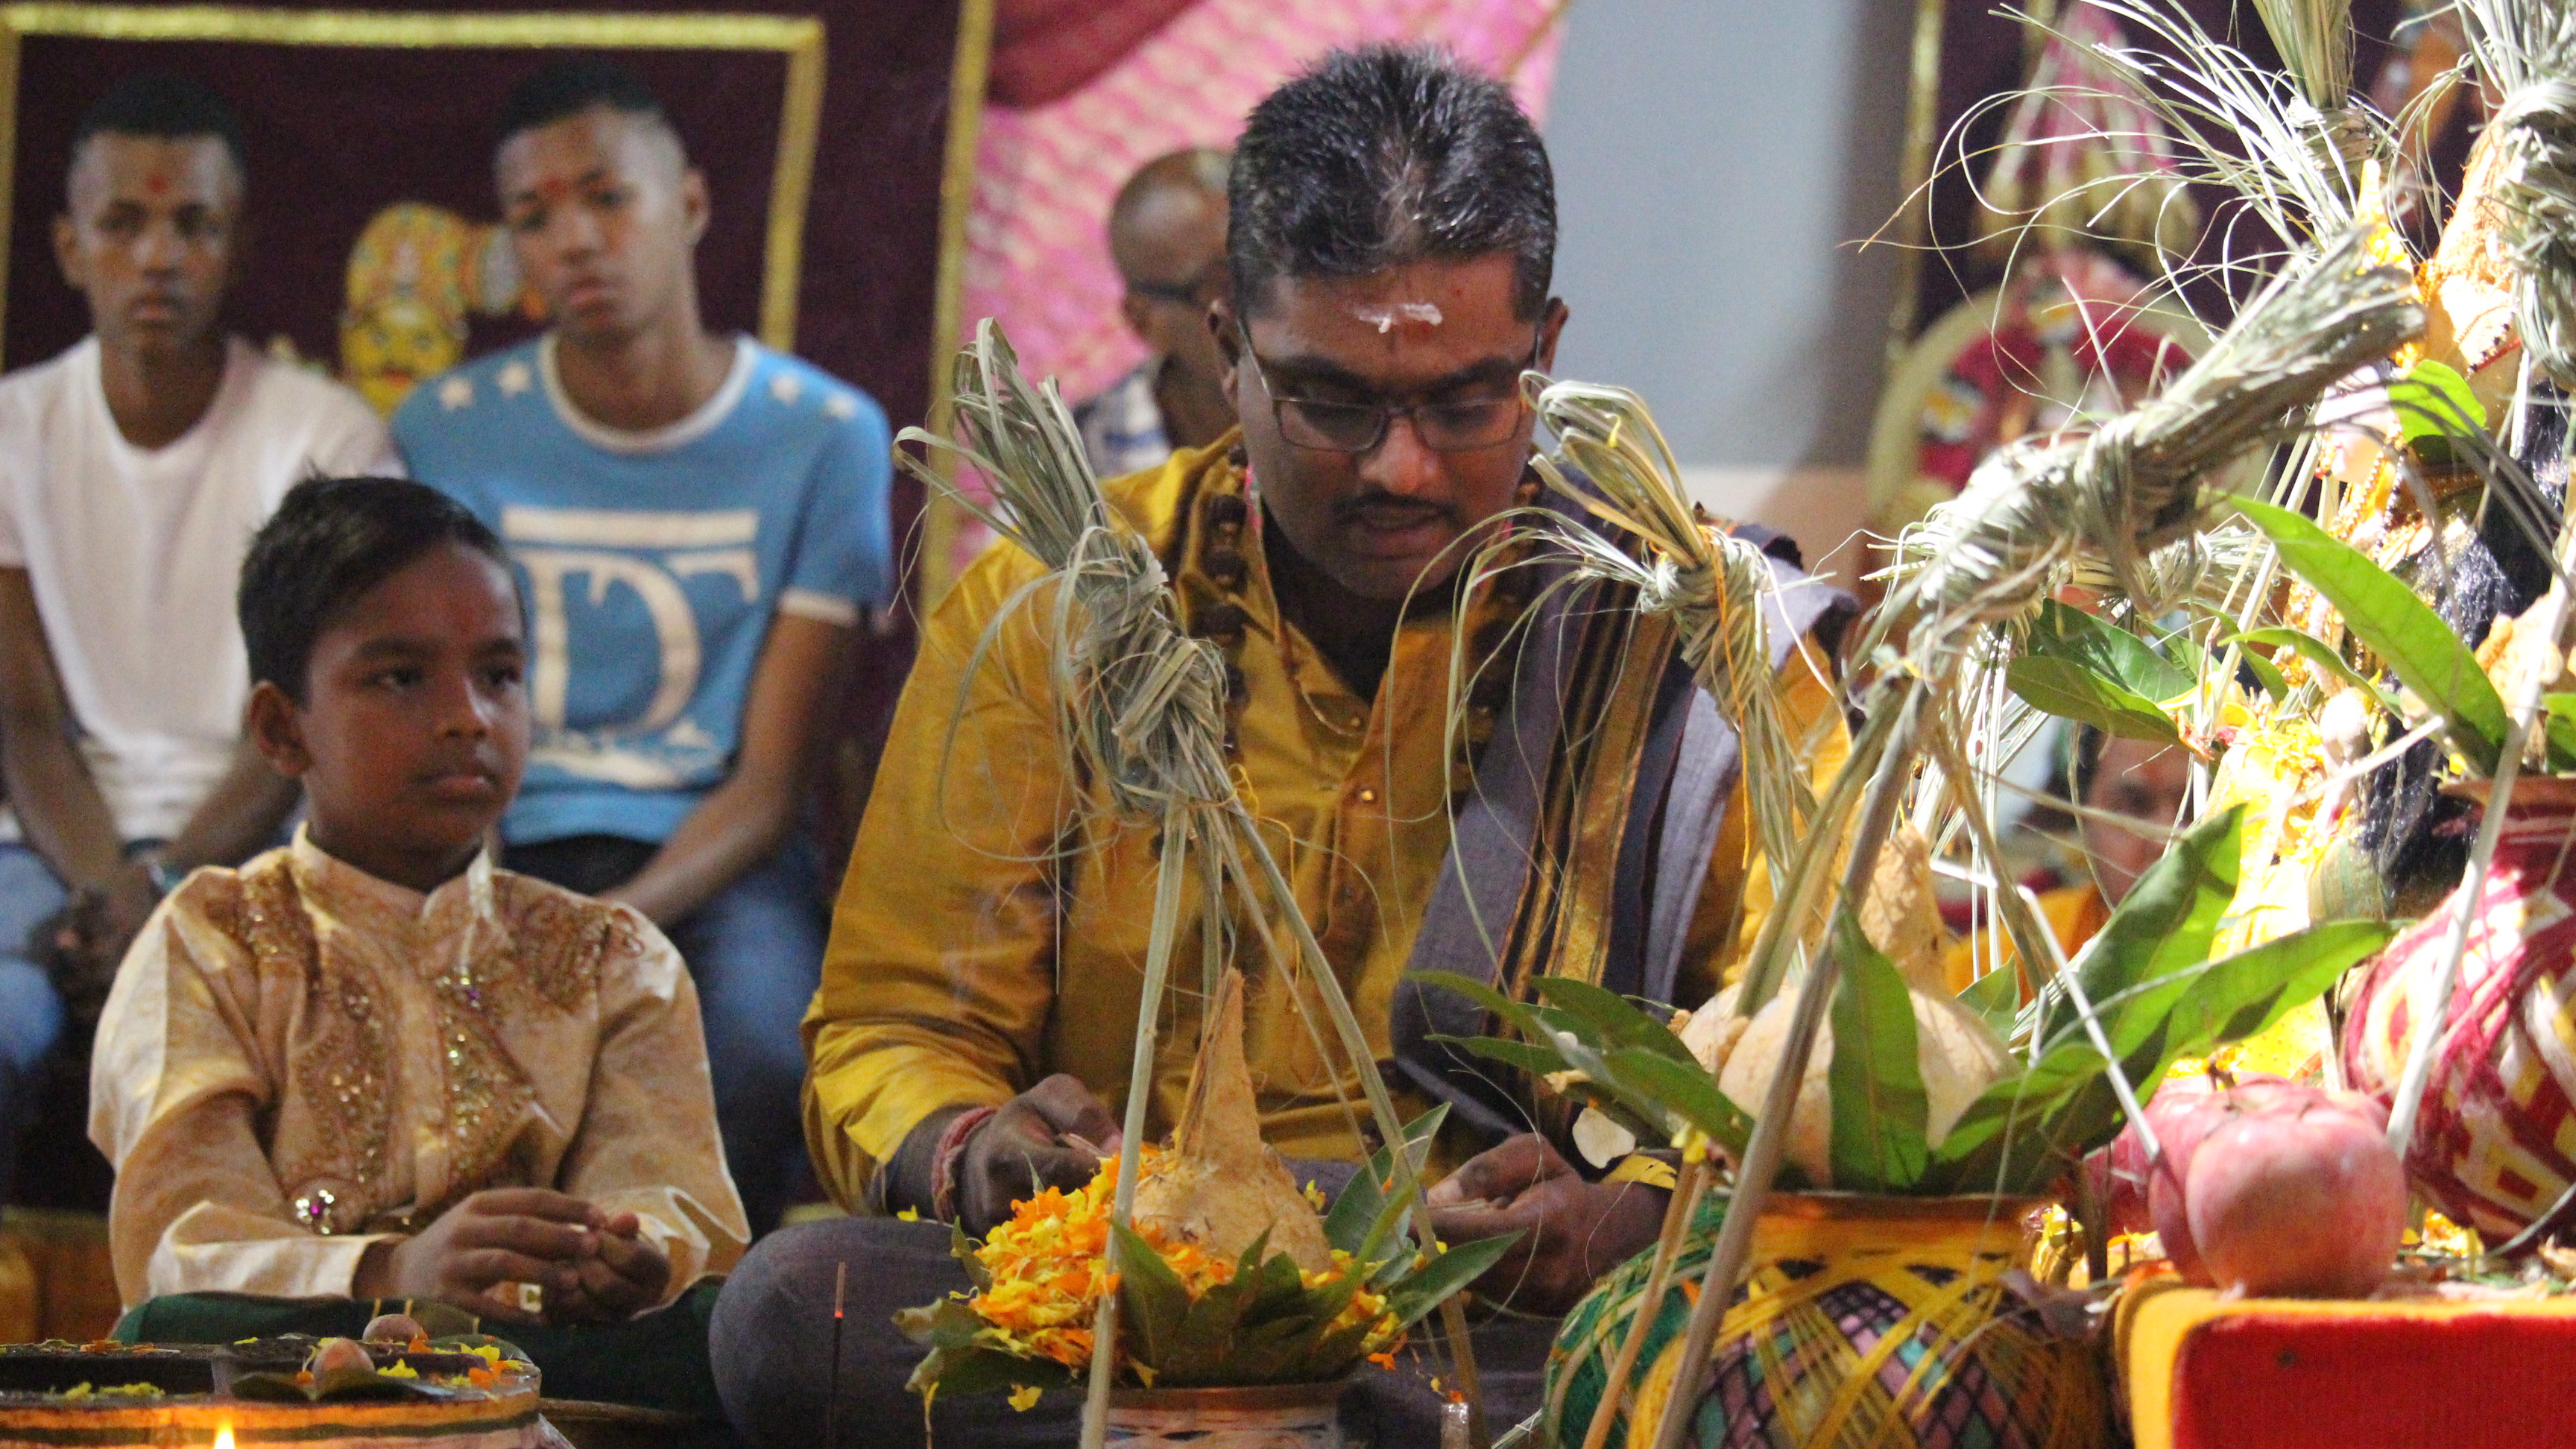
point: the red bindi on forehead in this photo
(157, 182)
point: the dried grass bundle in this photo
(2293, 150)
(2115, 497)
(2315, 41)
(2528, 50)
(1712, 584)
(1140, 704)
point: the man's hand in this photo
(504, 1235)
(83, 944)
(623, 1276)
(1021, 1150)
(1572, 1231)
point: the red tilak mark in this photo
(156, 183)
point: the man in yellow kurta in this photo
(1393, 232)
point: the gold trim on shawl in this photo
(1562, 923)
(941, 518)
(800, 38)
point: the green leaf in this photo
(1347, 1226)
(2163, 925)
(1618, 1022)
(2314, 650)
(1422, 1290)
(948, 1323)
(2061, 632)
(1538, 1061)
(1996, 997)
(1153, 1298)
(2069, 690)
(2392, 623)
(2246, 993)
(2021, 1132)
(2561, 721)
(2267, 674)
(2434, 404)
(2185, 654)
(1686, 1090)
(1875, 1078)
(986, 1371)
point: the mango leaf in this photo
(1619, 1022)
(2068, 690)
(1575, 1042)
(948, 1323)
(1153, 1298)
(1355, 1213)
(979, 1370)
(1462, 1264)
(1996, 997)
(2266, 673)
(2392, 623)
(1688, 1091)
(1876, 1077)
(2061, 632)
(2315, 651)
(2434, 404)
(2021, 1132)
(2164, 924)
(2246, 993)
(2560, 717)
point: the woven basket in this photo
(1865, 1323)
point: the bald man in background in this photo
(1167, 235)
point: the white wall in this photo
(1713, 157)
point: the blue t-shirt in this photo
(652, 562)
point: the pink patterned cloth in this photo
(1037, 251)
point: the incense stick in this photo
(832, 1390)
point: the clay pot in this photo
(1265, 1416)
(2491, 1147)
(1863, 1320)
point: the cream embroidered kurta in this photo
(300, 1059)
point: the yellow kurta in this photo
(2072, 914)
(985, 938)
(300, 1059)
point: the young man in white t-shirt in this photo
(133, 470)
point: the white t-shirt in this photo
(134, 555)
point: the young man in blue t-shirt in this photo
(698, 523)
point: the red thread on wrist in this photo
(944, 1158)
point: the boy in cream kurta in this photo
(301, 1059)
(370, 1064)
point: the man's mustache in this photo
(1349, 510)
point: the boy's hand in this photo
(623, 1276)
(504, 1235)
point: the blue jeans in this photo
(756, 954)
(31, 1011)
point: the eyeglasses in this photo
(1338, 427)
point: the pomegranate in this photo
(2299, 1200)
(2119, 1171)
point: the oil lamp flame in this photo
(223, 1436)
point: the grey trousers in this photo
(772, 1344)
